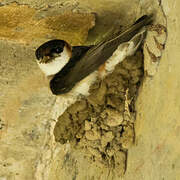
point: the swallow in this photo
(70, 67)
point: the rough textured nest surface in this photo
(102, 125)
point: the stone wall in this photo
(28, 149)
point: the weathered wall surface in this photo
(157, 151)
(27, 146)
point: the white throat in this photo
(56, 65)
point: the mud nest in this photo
(102, 125)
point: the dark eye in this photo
(57, 50)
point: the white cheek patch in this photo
(55, 65)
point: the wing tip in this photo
(145, 19)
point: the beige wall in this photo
(157, 151)
(27, 148)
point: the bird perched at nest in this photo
(75, 69)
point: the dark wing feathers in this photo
(77, 53)
(93, 58)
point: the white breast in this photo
(56, 65)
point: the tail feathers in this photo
(130, 32)
(136, 41)
(145, 18)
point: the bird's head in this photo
(53, 55)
